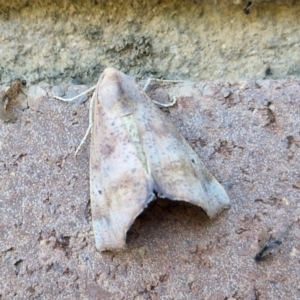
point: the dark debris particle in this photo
(262, 253)
(268, 72)
(247, 8)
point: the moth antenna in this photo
(166, 104)
(90, 123)
(147, 84)
(77, 96)
(167, 80)
(84, 138)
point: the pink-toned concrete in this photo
(246, 133)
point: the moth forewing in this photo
(176, 169)
(120, 184)
(136, 151)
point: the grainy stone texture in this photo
(247, 134)
(64, 41)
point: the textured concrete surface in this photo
(55, 42)
(247, 134)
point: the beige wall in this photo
(49, 42)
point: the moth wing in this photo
(177, 171)
(3, 114)
(120, 182)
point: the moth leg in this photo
(74, 98)
(148, 81)
(147, 84)
(90, 123)
(166, 104)
(83, 140)
(162, 80)
(90, 113)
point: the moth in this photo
(266, 246)
(10, 94)
(136, 155)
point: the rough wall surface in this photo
(64, 41)
(247, 134)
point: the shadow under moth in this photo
(137, 154)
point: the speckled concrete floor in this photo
(246, 133)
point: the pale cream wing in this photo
(120, 183)
(177, 171)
